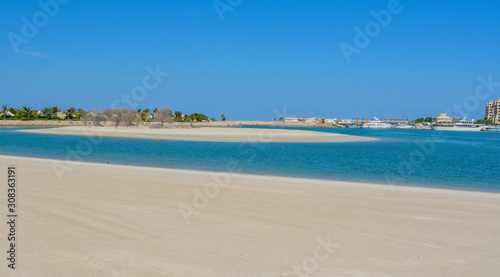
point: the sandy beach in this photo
(110, 220)
(205, 134)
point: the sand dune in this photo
(206, 134)
(109, 220)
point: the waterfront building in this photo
(331, 120)
(295, 119)
(444, 119)
(313, 120)
(493, 111)
(348, 121)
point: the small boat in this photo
(492, 128)
(422, 126)
(404, 126)
(354, 126)
(377, 125)
(462, 125)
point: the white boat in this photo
(404, 126)
(377, 125)
(492, 128)
(422, 126)
(462, 125)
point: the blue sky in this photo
(263, 60)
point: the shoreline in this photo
(341, 183)
(347, 183)
(235, 123)
(206, 134)
(107, 219)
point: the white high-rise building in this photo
(493, 111)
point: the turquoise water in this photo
(458, 160)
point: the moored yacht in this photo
(462, 125)
(377, 125)
(492, 128)
(404, 126)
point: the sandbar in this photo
(206, 134)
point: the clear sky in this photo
(252, 60)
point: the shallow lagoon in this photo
(458, 160)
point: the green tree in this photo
(14, 111)
(178, 116)
(429, 119)
(4, 111)
(419, 120)
(70, 113)
(145, 115)
(47, 112)
(485, 121)
(27, 112)
(55, 110)
(198, 117)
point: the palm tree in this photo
(145, 115)
(178, 116)
(27, 111)
(70, 113)
(4, 111)
(55, 110)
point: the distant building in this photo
(60, 115)
(331, 120)
(444, 119)
(295, 119)
(349, 121)
(313, 120)
(493, 111)
(7, 114)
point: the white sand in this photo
(206, 134)
(110, 220)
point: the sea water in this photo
(456, 160)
